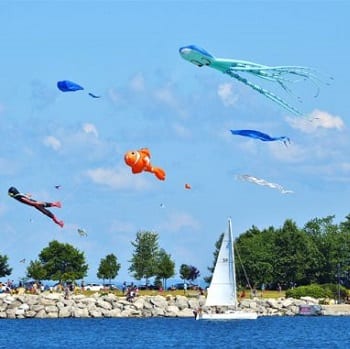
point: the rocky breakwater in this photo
(54, 305)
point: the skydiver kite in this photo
(260, 135)
(139, 160)
(70, 86)
(39, 205)
(282, 75)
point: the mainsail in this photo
(222, 290)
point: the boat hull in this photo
(234, 315)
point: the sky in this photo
(127, 52)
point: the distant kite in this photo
(279, 74)
(139, 160)
(93, 96)
(70, 86)
(82, 232)
(58, 186)
(187, 186)
(22, 260)
(259, 135)
(39, 205)
(263, 182)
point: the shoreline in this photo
(57, 305)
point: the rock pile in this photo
(54, 305)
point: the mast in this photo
(232, 262)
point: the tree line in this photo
(63, 262)
(287, 256)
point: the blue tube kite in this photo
(70, 86)
(260, 135)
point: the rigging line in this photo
(244, 271)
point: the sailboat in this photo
(223, 290)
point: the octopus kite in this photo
(263, 182)
(139, 160)
(279, 74)
(260, 135)
(39, 205)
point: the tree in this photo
(255, 257)
(36, 270)
(207, 279)
(295, 256)
(189, 272)
(62, 262)
(144, 258)
(5, 270)
(109, 268)
(325, 236)
(165, 267)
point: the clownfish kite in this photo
(139, 160)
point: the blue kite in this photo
(260, 135)
(279, 74)
(70, 86)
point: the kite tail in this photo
(159, 173)
(266, 93)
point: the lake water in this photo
(132, 333)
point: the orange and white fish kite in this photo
(139, 160)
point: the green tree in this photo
(255, 257)
(5, 270)
(188, 272)
(325, 235)
(108, 268)
(165, 267)
(63, 262)
(184, 271)
(207, 279)
(296, 256)
(144, 258)
(36, 270)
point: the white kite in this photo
(263, 182)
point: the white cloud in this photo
(178, 221)
(166, 96)
(181, 131)
(90, 128)
(137, 83)
(118, 179)
(225, 92)
(53, 142)
(316, 120)
(293, 153)
(115, 96)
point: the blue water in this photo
(151, 333)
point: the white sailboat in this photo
(223, 290)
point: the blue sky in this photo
(127, 52)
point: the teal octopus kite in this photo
(280, 74)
